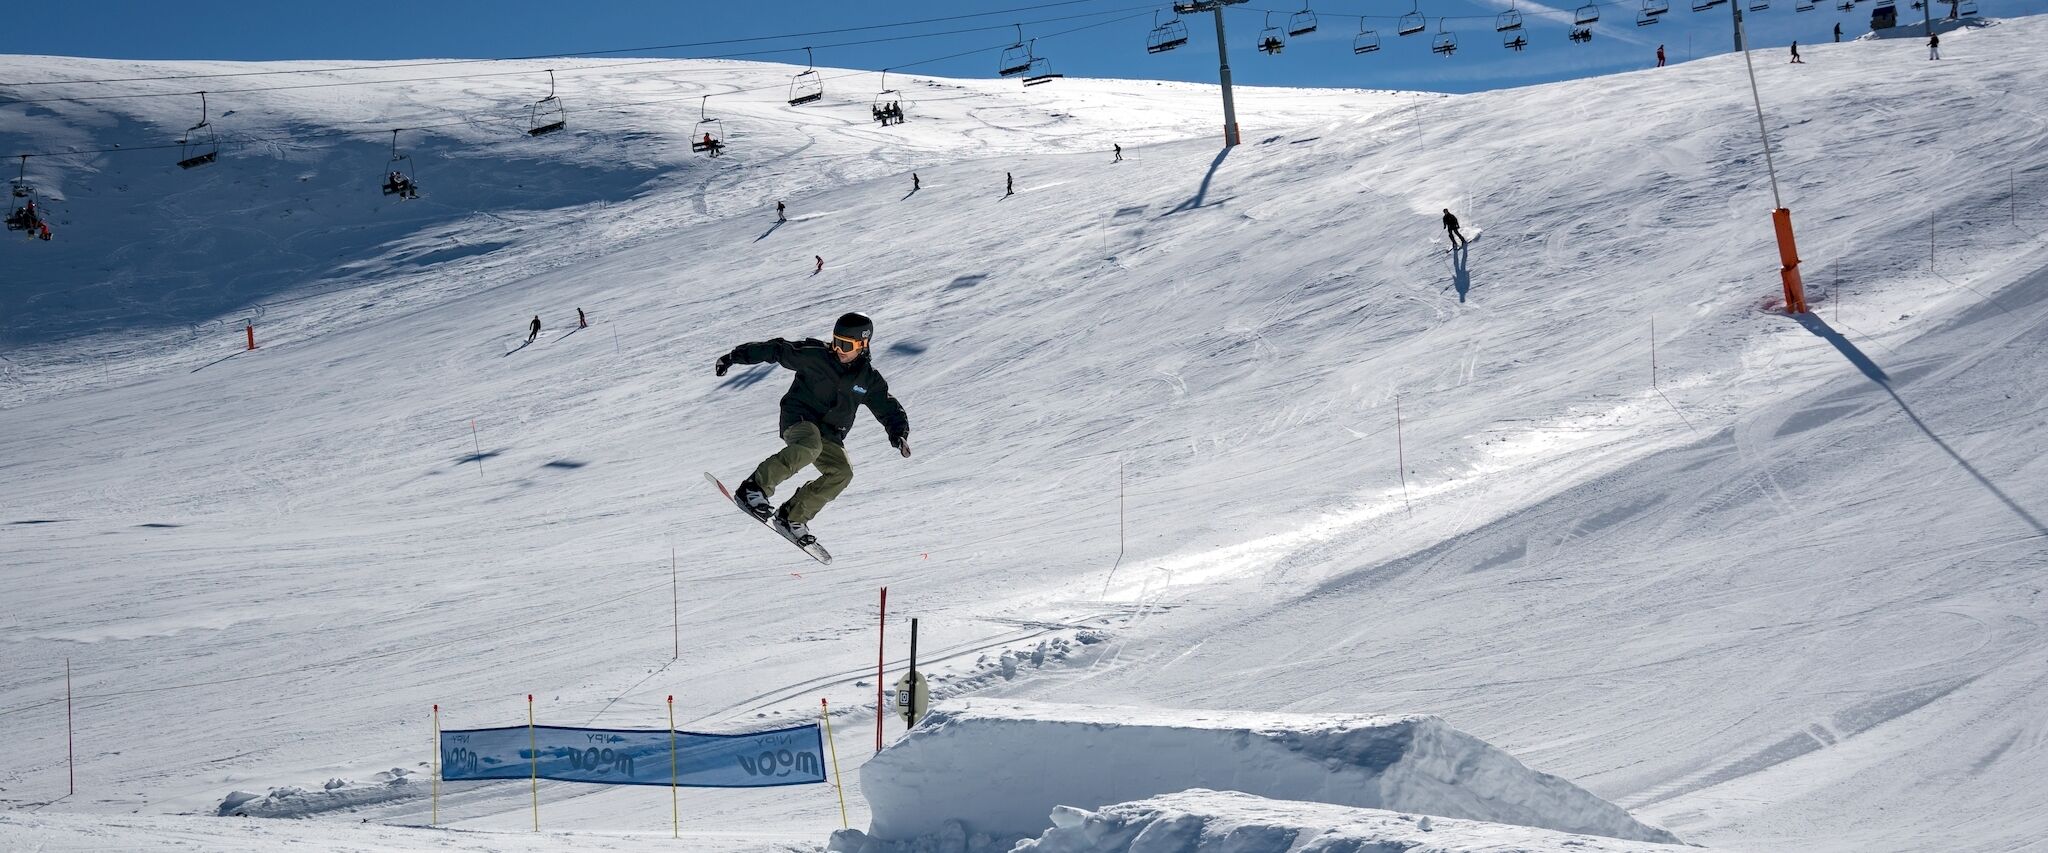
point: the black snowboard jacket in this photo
(825, 391)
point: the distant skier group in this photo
(533, 327)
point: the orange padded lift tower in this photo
(1788, 259)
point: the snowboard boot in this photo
(750, 498)
(797, 531)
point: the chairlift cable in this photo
(384, 126)
(564, 55)
(597, 69)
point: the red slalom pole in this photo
(251, 329)
(881, 650)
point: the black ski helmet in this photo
(854, 325)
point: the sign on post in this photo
(913, 697)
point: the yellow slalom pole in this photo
(533, 755)
(435, 820)
(674, 805)
(826, 710)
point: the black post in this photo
(914, 677)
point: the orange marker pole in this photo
(825, 709)
(251, 329)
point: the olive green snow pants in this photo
(804, 445)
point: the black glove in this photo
(723, 364)
(902, 445)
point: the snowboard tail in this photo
(815, 550)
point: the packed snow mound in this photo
(335, 795)
(1202, 821)
(998, 769)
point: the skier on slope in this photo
(533, 329)
(1458, 240)
(832, 381)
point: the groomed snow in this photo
(1202, 821)
(998, 768)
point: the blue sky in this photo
(265, 29)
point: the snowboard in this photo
(814, 549)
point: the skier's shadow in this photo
(519, 347)
(908, 194)
(771, 230)
(1461, 275)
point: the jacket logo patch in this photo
(859, 390)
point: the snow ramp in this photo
(997, 770)
(1202, 821)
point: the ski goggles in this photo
(846, 344)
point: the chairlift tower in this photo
(1190, 7)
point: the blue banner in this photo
(792, 756)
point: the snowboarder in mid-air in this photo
(1458, 240)
(832, 381)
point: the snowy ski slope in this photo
(1789, 599)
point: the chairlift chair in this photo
(20, 185)
(1271, 42)
(888, 102)
(1515, 42)
(1703, 5)
(1581, 35)
(1507, 22)
(1644, 19)
(1587, 14)
(1966, 8)
(1846, 6)
(708, 137)
(400, 179)
(1446, 42)
(546, 115)
(1301, 23)
(1413, 22)
(1167, 36)
(1016, 58)
(1803, 6)
(193, 150)
(806, 86)
(1656, 7)
(1044, 72)
(1759, 5)
(1367, 41)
